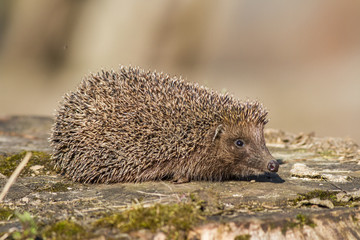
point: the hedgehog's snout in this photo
(273, 166)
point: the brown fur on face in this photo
(224, 159)
(251, 157)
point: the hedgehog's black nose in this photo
(273, 166)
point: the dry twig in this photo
(13, 176)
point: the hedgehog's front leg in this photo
(180, 179)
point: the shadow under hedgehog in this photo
(134, 125)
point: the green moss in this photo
(65, 229)
(272, 225)
(301, 150)
(251, 206)
(354, 218)
(323, 195)
(9, 164)
(55, 187)
(243, 237)
(305, 220)
(327, 154)
(29, 227)
(288, 225)
(195, 199)
(174, 219)
(300, 221)
(6, 213)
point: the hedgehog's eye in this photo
(239, 143)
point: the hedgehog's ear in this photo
(218, 131)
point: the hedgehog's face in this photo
(243, 149)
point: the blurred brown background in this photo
(300, 58)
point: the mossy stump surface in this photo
(315, 195)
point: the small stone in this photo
(336, 178)
(252, 181)
(237, 195)
(160, 236)
(322, 203)
(302, 171)
(36, 202)
(355, 194)
(343, 197)
(36, 168)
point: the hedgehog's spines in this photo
(119, 123)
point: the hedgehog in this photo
(133, 125)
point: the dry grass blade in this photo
(14, 175)
(3, 237)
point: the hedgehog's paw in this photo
(180, 180)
